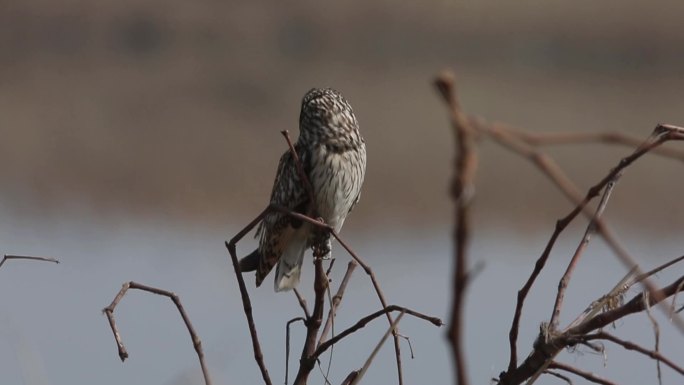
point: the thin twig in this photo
(324, 374)
(591, 228)
(350, 377)
(635, 305)
(656, 334)
(336, 300)
(408, 341)
(601, 335)
(244, 295)
(30, 258)
(375, 351)
(365, 320)
(558, 375)
(302, 303)
(462, 189)
(381, 296)
(591, 377)
(654, 271)
(674, 301)
(313, 324)
(302, 175)
(330, 266)
(563, 138)
(123, 354)
(287, 344)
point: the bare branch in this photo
(313, 324)
(350, 377)
(654, 271)
(656, 333)
(558, 375)
(302, 175)
(244, 295)
(123, 354)
(608, 137)
(462, 189)
(548, 345)
(364, 265)
(601, 335)
(635, 305)
(337, 298)
(591, 228)
(365, 320)
(287, 344)
(27, 257)
(375, 351)
(661, 133)
(591, 377)
(302, 303)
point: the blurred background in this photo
(136, 136)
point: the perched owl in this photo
(333, 155)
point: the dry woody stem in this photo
(604, 311)
(123, 354)
(27, 257)
(462, 188)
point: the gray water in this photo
(53, 331)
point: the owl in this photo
(333, 156)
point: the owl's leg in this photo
(326, 249)
(322, 244)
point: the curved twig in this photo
(30, 258)
(123, 354)
(601, 335)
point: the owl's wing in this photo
(276, 229)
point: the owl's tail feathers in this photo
(290, 264)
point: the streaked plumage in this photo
(333, 155)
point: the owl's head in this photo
(326, 115)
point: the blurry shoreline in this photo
(175, 108)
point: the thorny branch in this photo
(123, 354)
(462, 189)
